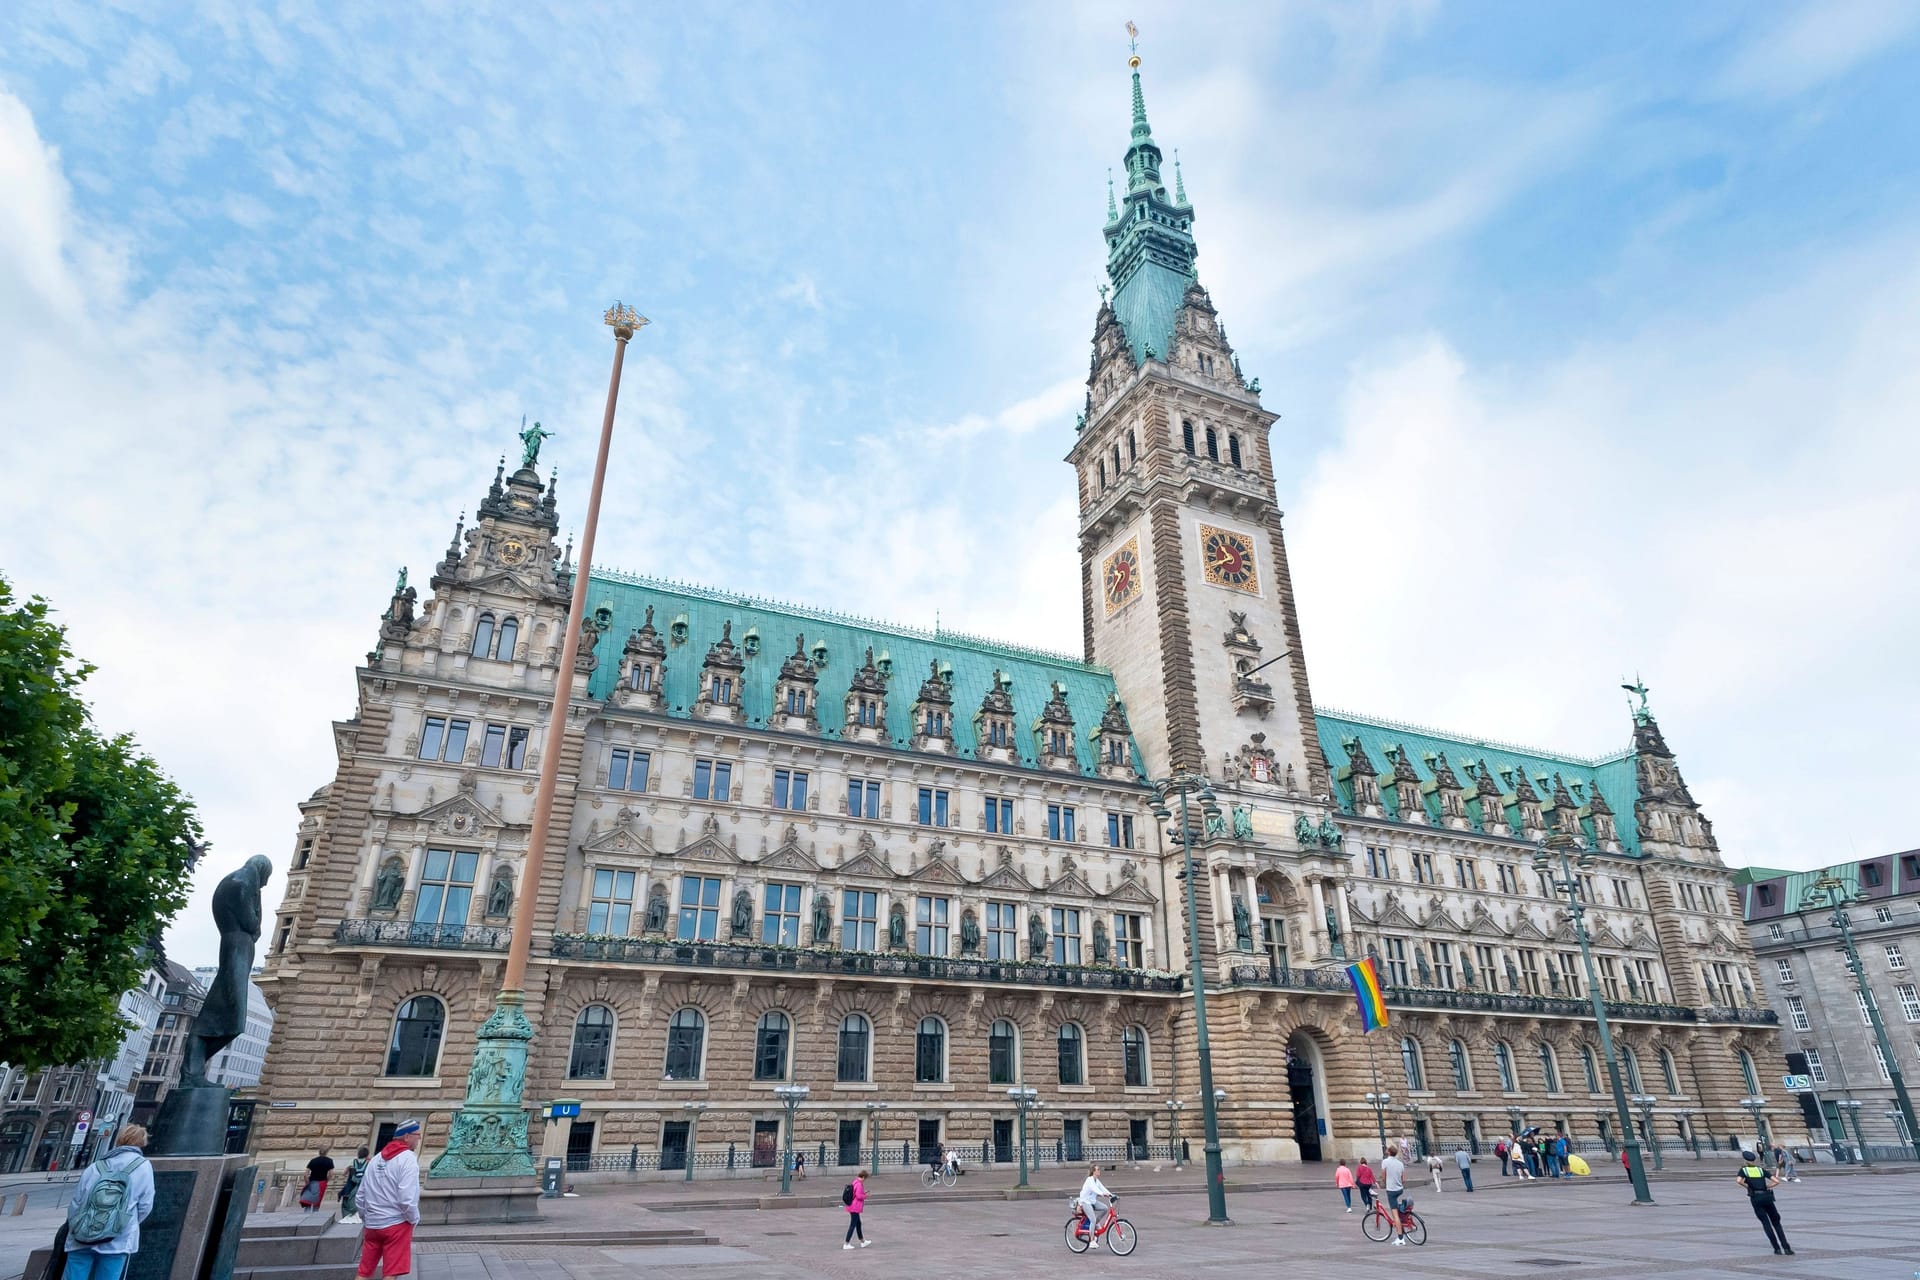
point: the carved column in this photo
(1318, 893)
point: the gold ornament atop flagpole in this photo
(1133, 45)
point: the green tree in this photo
(96, 851)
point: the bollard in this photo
(289, 1196)
(19, 1205)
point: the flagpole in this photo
(1379, 1112)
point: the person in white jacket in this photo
(1093, 1195)
(389, 1205)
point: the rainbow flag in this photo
(1365, 977)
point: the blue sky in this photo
(1593, 332)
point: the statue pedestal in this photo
(455, 1201)
(192, 1122)
(489, 1135)
(193, 1233)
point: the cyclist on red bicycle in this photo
(1093, 1194)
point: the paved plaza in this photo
(1844, 1226)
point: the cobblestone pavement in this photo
(1845, 1227)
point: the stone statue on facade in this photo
(389, 884)
(1102, 945)
(969, 933)
(740, 924)
(1329, 834)
(500, 893)
(1216, 825)
(530, 440)
(1633, 985)
(1421, 966)
(822, 920)
(1242, 823)
(1467, 980)
(1304, 832)
(1513, 975)
(1242, 924)
(656, 918)
(1036, 936)
(1333, 928)
(1553, 980)
(897, 927)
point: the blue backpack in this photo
(108, 1209)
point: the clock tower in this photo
(1185, 590)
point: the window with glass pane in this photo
(1462, 1072)
(1066, 935)
(1410, 1064)
(796, 701)
(1630, 1064)
(1669, 1073)
(509, 636)
(1549, 1068)
(1059, 822)
(444, 739)
(1396, 962)
(1895, 958)
(712, 780)
(1815, 1067)
(1590, 1069)
(999, 814)
(789, 789)
(930, 926)
(1133, 1052)
(611, 908)
(770, 1046)
(446, 888)
(1503, 1063)
(1610, 977)
(930, 1052)
(1570, 973)
(483, 637)
(1646, 979)
(1866, 1010)
(863, 798)
(1002, 1053)
(1489, 973)
(1880, 1059)
(686, 1038)
(1129, 940)
(1003, 931)
(627, 770)
(592, 1044)
(1377, 865)
(933, 807)
(699, 908)
(1909, 1001)
(1797, 1014)
(780, 916)
(1423, 868)
(1120, 830)
(1072, 1057)
(414, 1049)
(855, 1032)
(859, 920)
(1530, 971)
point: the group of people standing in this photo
(1533, 1155)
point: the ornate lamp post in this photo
(1755, 1106)
(1174, 1108)
(873, 1129)
(1851, 1107)
(1831, 891)
(1380, 1102)
(693, 1132)
(1646, 1103)
(1024, 1098)
(1184, 785)
(1414, 1111)
(489, 1133)
(791, 1096)
(1562, 843)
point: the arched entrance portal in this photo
(1305, 1089)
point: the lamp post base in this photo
(489, 1134)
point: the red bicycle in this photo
(1117, 1231)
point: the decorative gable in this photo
(796, 693)
(789, 856)
(933, 711)
(458, 815)
(866, 706)
(620, 840)
(1053, 734)
(993, 723)
(642, 678)
(867, 861)
(722, 682)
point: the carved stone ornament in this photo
(389, 884)
(656, 917)
(969, 933)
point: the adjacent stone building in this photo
(179, 1006)
(1822, 1012)
(913, 869)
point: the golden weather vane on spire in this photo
(1133, 45)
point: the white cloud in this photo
(1815, 43)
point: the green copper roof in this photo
(1615, 775)
(1150, 246)
(908, 654)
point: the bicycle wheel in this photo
(1121, 1237)
(1416, 1228)
(929, 1178)
(1075, 1241)
(947, 1176)
(1375, 1225)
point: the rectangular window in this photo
(1463, 873)
(444, 739)
(1815, 1067)
(1860, 998)
(1003, 931)
(780, 916)
(859, 920)
(627, 770)
(1896, 959)
(1423, 868)
(712, 780)
(1687, 899)
(699, 908)
(1880, 1060)
(999, 816)
(1587, 891)
(504, 747)
(1129, 941)
(930, 926)
(1883, 914)
(1059, 822)
(1909, 1001)
(611, 908)
(1786, 970)
(1622, 895)
(446, 888)
(1120, 830)
(863, 798)
(1396, 962)
(1797, 1014)
(1648, 991)
(933, 807)
(1509, 879)
(1610, 977)
(789, 789)
(1377, 864)
(1544, 883)
(1775, 932)
(1530, 971)
(1066, 935)
(1570, 973)
(1443, 965)
(1483, 957)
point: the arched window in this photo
(1073, 1060)
(509, 636)
(686, 1039)
(483, 637)
(1116, 462)
(770, 1046)
(1589, 1069)
(1101, 469)
(1133, 452)
(1549, 1067)
(1410, 1063)
(1003, 1053)
(417, 1028)
(1233, 448)
(1503, 1062)
(856, 1037)
(1213, 445)
(1186, 434)
(1462, 1068)
(1747, 1073)
(592, 1043)
(1630, 1064)
(1133, 1052)
(1668, 1070)
(930, 1052)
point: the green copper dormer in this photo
(1150, 248)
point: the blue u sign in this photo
(564, 1110)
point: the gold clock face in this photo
(513, 551)
(1227, 560)
(1120, 576)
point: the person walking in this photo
(800, 1166)
(1433, 1167)
(1783, 1161)
(1560, 1150)
(1363, 1180)
(1093, 1194)
(111, 1200)
(389, 1203)
(855, 1202)
(1464, 1159)
(1393, 1176)
(319, 1169)
(1343, 1179)
(1759, 1187)
(1501, 1150)
(350, 1188)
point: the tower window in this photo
(1101, 466)
(1186, 433)
(1133, 453)
(504, 642)
(1233, 449)
(1213, 445)
(483, 637)
(1116, 462)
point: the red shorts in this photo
(387, 1248)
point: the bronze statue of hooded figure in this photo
(223, 1016)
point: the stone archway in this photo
(1307, 1091)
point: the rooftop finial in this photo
(1133, 46)
(1179, 183)
(1113, 210)
(1639, 687)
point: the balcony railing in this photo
(861, 964)
(1335, 980)
(410, 933)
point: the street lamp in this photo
(693, 1130)
(1851, 1107)
(1380, 1102)
(1024, 1098)
(1830, 890)
(1196, 785)
(1562, 843)
(791, 1096)
(1414, 1111)
(1755, 1105)
(1645, 1102)
(873, 1128)
(1174, 1108)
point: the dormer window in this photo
(866, 712)
(722, 691)
(1057, 742)
(1116, 752)
(796, 703)
(997, 734)
(936, 722)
